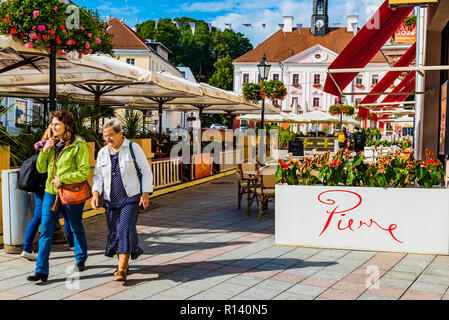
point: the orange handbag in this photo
(71, 194)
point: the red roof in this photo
(281, 46)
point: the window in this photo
(36, 117)
(275, 101)
(295, 79)
(357, 101)
(374, 79)
(293, 101)
(130, 61)
(316, 102)
(21, 112)
(359, 79)
(152, 65)
(276, 77)
(316, 79)
(245, 78)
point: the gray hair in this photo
(115, 124)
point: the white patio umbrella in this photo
(276, 118)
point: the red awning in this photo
(391, 76)
(406, 85)
(364, 46)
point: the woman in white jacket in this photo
(116, 175)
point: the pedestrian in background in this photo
(65, 157)
(122, 173)
(343, 139)
(359, 140)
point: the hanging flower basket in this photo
(337, 109)
(410, 22)
(273, 90)
(360, 86)
(316, 85)
(296, 85)
(39, 23)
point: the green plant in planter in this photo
(333, 173)
(131, 123)
(430, 172)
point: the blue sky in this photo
(234, 12)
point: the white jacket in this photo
(102, 172)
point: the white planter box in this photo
(412, 220)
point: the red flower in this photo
(13, 31)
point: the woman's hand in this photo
(49, 144)
(55, 182)
(94, 201)
(145, 200)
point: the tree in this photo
(199, 51)
(224, 74)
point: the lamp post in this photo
(264, 70)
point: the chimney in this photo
(288, 24)
(352, 23)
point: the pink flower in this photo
(98, 41)
(41, 28)
(33, 36)
(82, 28)
(89, 35)
(35, 14)
(29, 45)
(56, 8)
(87, 45)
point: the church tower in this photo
(320, 19)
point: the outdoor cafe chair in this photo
(264, 189)
(245, 180)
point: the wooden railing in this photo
(166, 172)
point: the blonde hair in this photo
(47, 134)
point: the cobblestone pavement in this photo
(199, 246)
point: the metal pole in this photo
(421, 43)
(160, 120)
(52, 58)
(98, 111)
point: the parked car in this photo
(218, 126)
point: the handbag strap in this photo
(139, 173)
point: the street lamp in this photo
(264, 70)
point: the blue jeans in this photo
(74, 215)
(35, 222)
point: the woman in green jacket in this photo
(72, 166)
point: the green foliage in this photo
(224, 74)
(131, 123)
(39, 22)
(199, 51)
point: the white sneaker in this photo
(29, 256)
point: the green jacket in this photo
(72, 164)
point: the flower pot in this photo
(414, 220)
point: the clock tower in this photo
(320, 19)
